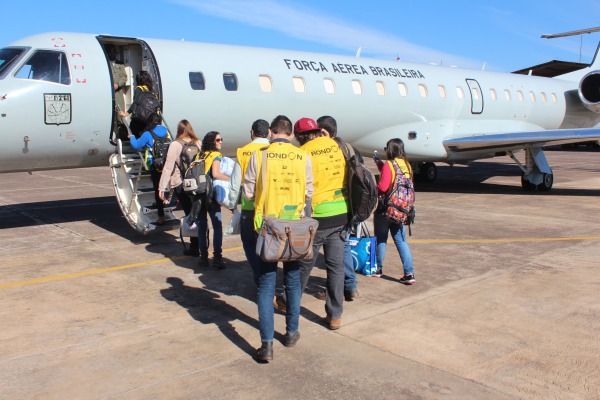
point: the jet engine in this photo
(589, 91)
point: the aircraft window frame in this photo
(507, 95)
(197, 81)
(299, 84)
(380, 88)
(230, 81)
(493, 94)
(554, 98)
(423, 90)
(8, 61)
(442, 91)
(265, 82)
(532, 97)
(357, 86)
(40, 67)
(460, 93)
(520, 96)
(403, 89)
(329, 85)
(544, 97)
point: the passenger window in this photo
(265, 83)
(459, 92)
(356, 86)
(46, 65)
(493, 94)
(402, 89)
(532, 97)
(329, 85)
(299, 85)
(442, 91)
(507, 95)
(520, 95)
(554, 98)
(380, 88)
(422, 90)
(544, 97)
(230, 82)
(197, 81)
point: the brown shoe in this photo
(279, 304)
(264, 352)
(334, 323)
(350, 295)
(321, 295)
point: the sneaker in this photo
(408, 279)
(377, 273)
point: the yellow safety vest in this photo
(329, 172)
(243, 157)
(285, 183)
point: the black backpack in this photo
(189, 153)
(362, 189)
(196, 181)
(160, 147)
(146, 104)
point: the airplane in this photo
(57, 105)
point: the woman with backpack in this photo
(172, 175)
(141, 108)
(388, 184)
(153, 130)
(211, 153)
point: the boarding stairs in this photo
(135, 192)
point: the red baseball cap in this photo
(305, 125)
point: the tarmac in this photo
(506, 303)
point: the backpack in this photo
(160, 147)
(189, 153)
(397, 204)
(362, 189)
(196, 181)
(146, 105)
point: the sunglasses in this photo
(218, 140)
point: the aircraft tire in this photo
(526, 185)
(428, 173)
(547, 181)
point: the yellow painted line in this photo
(509, 240)
(98, 271)
(162, 260)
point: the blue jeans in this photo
(333, 250)
(349, 273)
(249, 236)
(217, 224)
(382, 227)
(267, 278)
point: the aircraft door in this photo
(476, 96)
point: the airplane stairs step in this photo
(135, 192)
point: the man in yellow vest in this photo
(283, 193)
(330, 208)
(260, 138)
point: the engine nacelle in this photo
(589, 91)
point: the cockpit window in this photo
(8, 56)
(46, 65)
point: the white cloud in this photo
(292, 20)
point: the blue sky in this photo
(503, 35)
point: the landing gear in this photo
(427, 172)
(537, 174)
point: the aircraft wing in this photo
(518, 140)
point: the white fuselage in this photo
(372, 100)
